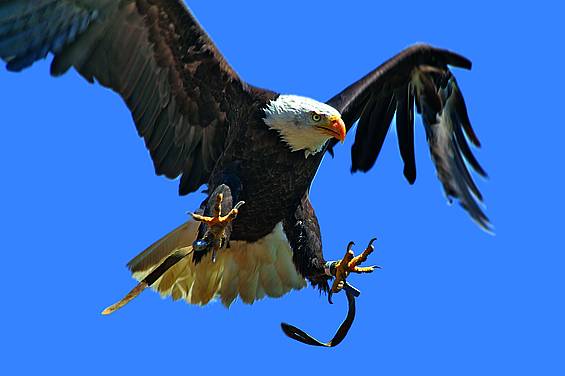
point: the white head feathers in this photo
(294, 117)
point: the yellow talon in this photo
(217, 223)
(350, 264)
(217, 218)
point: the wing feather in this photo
(405, 130)
(154, 53)
(372, 131)
(417, 76)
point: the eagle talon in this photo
(350, 264)
(215, 236)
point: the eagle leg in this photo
(349, 264)
(215, 237)
(215, 231)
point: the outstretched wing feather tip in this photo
(417, 78)
(153, 53)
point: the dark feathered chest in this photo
(273, 178)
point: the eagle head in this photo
(303, 123)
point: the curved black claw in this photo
(330, 294)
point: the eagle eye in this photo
(316, 117)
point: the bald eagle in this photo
(203, 124)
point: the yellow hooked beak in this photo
(334, 127)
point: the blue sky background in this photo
(79, 199)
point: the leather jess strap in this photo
(301, 336)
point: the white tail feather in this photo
(250, 270)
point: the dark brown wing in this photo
(153, 53)
(419, 75)
(303, 233)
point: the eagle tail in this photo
(251, 270)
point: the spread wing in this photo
(419, 75)
(153, 53)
